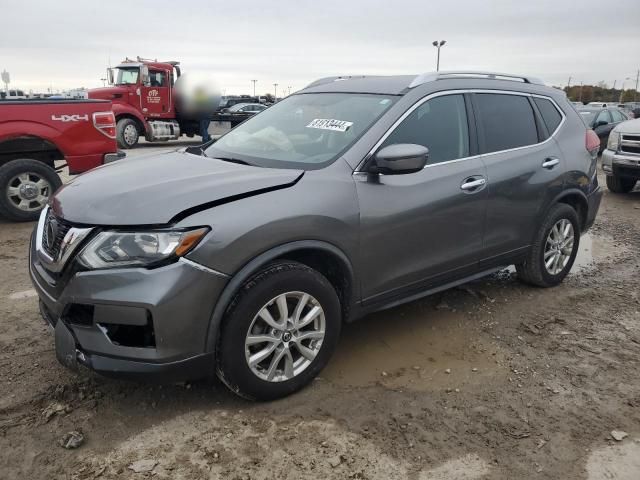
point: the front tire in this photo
(25, 188)
(127, 133)
(619, 184)
(279, 331)
(554, 248)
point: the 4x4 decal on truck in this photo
(70, 118)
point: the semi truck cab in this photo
(143, 96)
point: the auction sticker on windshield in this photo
(330, 124)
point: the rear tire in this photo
(26, 185)
(620, 185)
(246, 336)
(548, 247)
(127, 133)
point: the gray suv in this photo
(245, 256)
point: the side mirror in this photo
(110, 76)
(400, 158)
(601, 123)
(145, 76)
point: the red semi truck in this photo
(36, 133)
(144, 102)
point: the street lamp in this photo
(438, 44)
(275, 92)
(254, 87)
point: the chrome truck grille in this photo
(630, 144)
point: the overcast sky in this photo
(64, 44)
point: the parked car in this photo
(250, 108)
(345, 198)
(621, 159)
(602, 121)
(12, 94)
(36, 133)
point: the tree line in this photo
(600, 93)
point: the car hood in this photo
(629, 126)
(158, 190)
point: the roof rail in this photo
(433, 76)
(325, 80)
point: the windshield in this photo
(302, 131)
(127, 76)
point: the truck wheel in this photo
(127, 133)
(279, 332)
(620, 185)
(26, 187)
(554, 248)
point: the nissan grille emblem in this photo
(52, 232)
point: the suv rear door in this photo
(422, 228)
(524, 164)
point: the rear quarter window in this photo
(550, 114)
(507, 121)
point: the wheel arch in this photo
(577, 200)
(324, 257)
(32, 147)
(139, 123)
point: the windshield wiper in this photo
(229, 159)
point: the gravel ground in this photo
(494, 380)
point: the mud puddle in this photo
(415, 347)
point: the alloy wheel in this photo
(29, 191)
(559, 246)
(285, 336)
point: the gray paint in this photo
(398, 236)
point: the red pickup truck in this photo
(36, 133)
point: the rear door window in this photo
(440, 124)
(617, 116)
(550, 114)
(507, 121)
(603, 116)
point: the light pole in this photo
(275, 92)
(438, 44)
(254, 87)
(613, 94)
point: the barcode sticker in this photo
(330, 124)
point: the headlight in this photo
(614, 141)
(127, 249)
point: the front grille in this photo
(630, 144)
(53, 233)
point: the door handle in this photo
(471, 184)
(549, 163)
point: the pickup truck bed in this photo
(36, 133)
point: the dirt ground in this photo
(495, 380)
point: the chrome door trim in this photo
(395, 125)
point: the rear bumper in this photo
(593, 201)
(83, 163)
(112, 157)
(134, 322)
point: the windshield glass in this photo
(302, 131)
(127, 76)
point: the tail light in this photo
(592, 141)
(105, 123)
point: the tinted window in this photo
(439, 124)
(507, 120)
(549, 112)
(157, 79)
(603, 116)
(618, 116)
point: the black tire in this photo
(275, 279)
(35, 170)
(533, 270)
(620, 185)
(127, 125)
